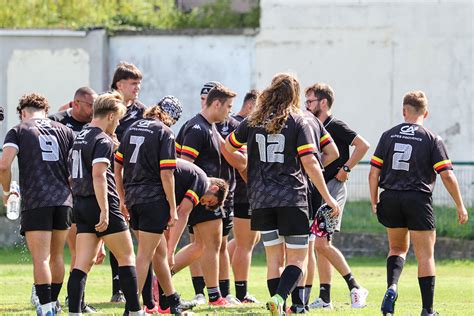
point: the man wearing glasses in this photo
(319, 101)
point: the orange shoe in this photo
(154, 310)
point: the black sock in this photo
(75, 289)
(163, 301)
(307, 289)
(147, 291)
(55, 289)
(240, 289)
(298, 296)
(128, 284)
(427, 286)
(224, 286)
(83, 301)
(173, 299)
(351, 281)
(325, 292)
(213, 293)
(43, 291)
(199, 285)
(394, 269)
(288, 280)
(272, 285)
(115, 273)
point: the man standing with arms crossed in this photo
(319, 101)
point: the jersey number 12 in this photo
(271, 149)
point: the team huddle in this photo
(106, 167)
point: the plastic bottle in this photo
(13, 203)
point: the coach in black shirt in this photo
(319, 101)
(405, 163)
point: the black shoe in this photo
(88, 309)
(388, 303)
(118, 297)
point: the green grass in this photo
(359, 218)
(454, 288)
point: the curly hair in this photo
(33, 101)
(156, 113)
(275, 103)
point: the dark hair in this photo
(417, 100)
(322, 91)
(252, 95)
(33, 101)
(221, 193)
(83, 91)
(156, 113)
(220, 93)
(125, 71)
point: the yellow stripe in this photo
(235, 139)
(441, 163)
(377, 159)
(194, 195)
(119, 154)
(194, 151)
(178, 146)
(324, 138)
(303, 147)
(167, 161)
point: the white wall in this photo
(179, 65)
(372, 53)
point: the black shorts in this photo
(288, 220)
(46, 218)
(227, 224)
(150, 217)
(201, 214)
(242, 210)
(87, 215)
(406, 209)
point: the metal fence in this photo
(358, 185)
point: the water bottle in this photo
(13, 203)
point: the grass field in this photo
(454, 288)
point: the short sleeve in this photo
(325, 137)
(193, 141)
(179, 140)
(167, 152)
(439, 156)
(344, 133)
(305, 143)
(118, 157)
(103, 150)
(377, 159)
(238, 138)
(11, 139)
(197, 190)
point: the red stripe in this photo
(375, 162)
(233, 143)
(168, 165)
(443, 166)
(327, 140)
(189, 153)
(307, 150)
(118, 158)
(192, 198)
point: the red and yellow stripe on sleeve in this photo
(234, 142)
(189, 151)
(306, 149)
(376, 162)
(192, 196)
(167, 164)
(443, 165)
(119, 157)
(243, 149)
(178, 149)
(323, 141)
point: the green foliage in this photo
(358, 218)
(121, 14)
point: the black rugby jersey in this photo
(409, 155)
(92, 145)
(240, 192)
(343, 136)
(200, 142)
(43, 147)
(275, 173)
(147, 147)
(65, 118)
(191, 182)
(134, 113)
(321, 135)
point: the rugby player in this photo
(319, 101)
(76, 117)
(405, 163)
(42, 147)
(97, 206)
(280, 146)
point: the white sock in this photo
(45, 308)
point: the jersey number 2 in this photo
(401, 156)
(271, 148)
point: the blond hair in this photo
(110, 102)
